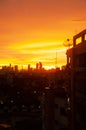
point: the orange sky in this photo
(34, 30)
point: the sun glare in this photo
(25, 53)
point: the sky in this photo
(34, 31)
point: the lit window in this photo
(85, 37)
(78, 40)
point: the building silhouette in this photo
(39, 66)
(62, 109)
(76, 62)
(54, 105)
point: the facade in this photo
(76, 62)
(54, 109)
(60, 109)
(47, 110)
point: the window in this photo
(81, 60)
(85, 37)
(78, 40)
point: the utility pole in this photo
(56, 60)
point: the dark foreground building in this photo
(76, 61)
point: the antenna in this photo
(68, 43)
(56, 60)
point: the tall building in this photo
(76, 61)
(47, 109)
(16, 67)
(29, 67)
(39, 66)
(54, 105)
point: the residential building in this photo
(76, 62)
(54, 105)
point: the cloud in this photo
(79, 20)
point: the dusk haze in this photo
(34, 31)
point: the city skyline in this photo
(33, 31)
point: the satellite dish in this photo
(68, 43)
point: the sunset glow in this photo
(33, 31)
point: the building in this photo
(39, 66)
(16, 68)
(60, 109)
(47, 109)
(28, 67)
(76, 62)
(54, 105)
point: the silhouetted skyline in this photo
(33, 30)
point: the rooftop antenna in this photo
(68, 43)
